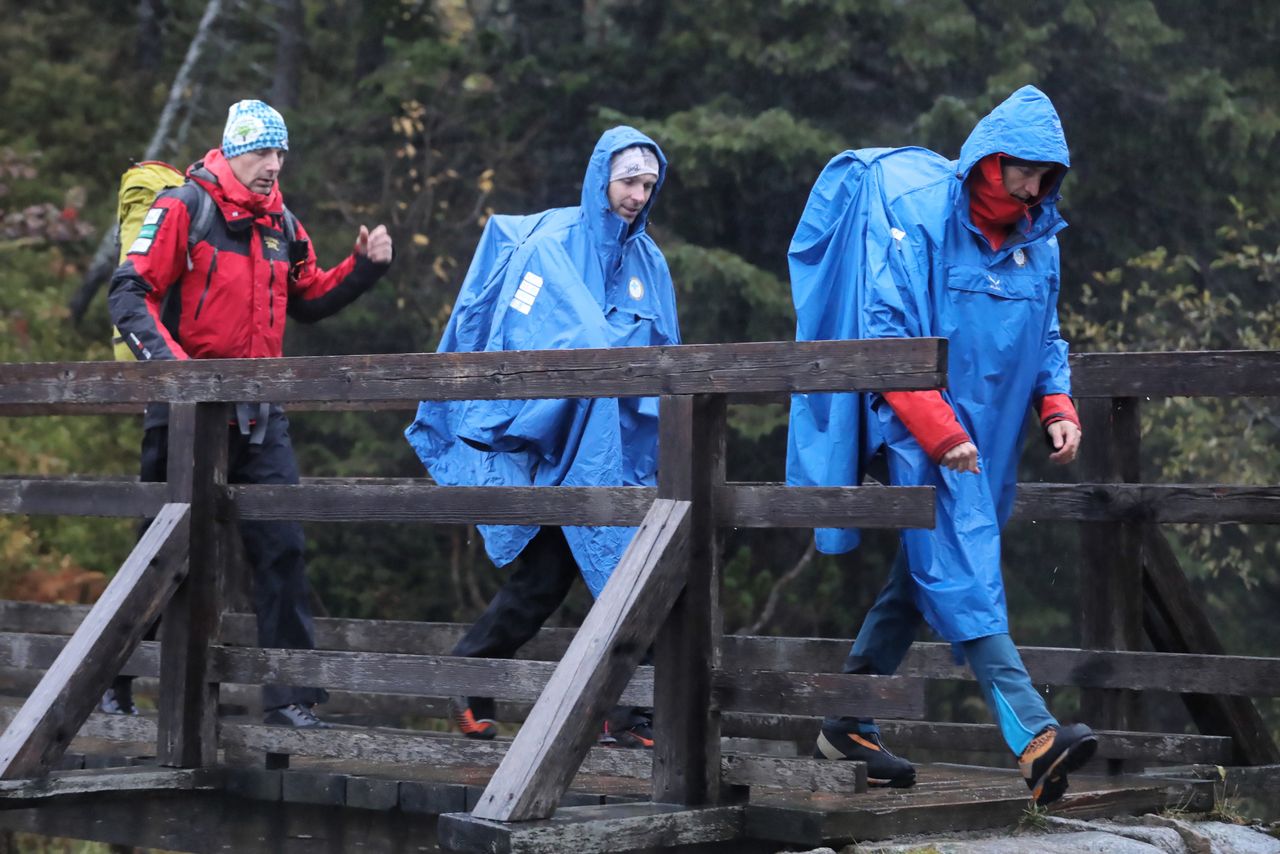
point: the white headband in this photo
(636, 160)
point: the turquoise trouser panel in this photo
(887, 634)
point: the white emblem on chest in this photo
(1019, 257)
(635, 288)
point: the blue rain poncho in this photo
(886, 249)
(564, 278)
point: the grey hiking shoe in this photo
(294, 715)
(117, 701)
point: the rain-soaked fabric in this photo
(886, 248)
(564, 278)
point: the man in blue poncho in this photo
(900, 243)
(586, 276)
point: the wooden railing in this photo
(703, 685)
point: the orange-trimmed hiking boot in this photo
(633, 731)
(1051, 756)
(468, 724)
(883, 768)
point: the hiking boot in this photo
(464, 717)
(1051, 756)
(118, 700)
(883, 768)
(632, 731)
(294, 715)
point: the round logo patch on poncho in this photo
(635, 287)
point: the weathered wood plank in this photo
(968, 807)
(773, 505)
(107, 781)
(1141, 502)
(691, 436)
(1175, 621)
(1215, 373)
(589, 680)
(1191, 673)
(197, 473)
(737, 505)
(593, 830)
(72, 685)
(909, 736)
(820, 693)
(354, 501)
(910, 363)
(1111, 556)
(72, 497)
(398, 673)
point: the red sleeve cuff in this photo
(1057, 407)
(930, 419)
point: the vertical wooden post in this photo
(686, 760)
(197, 473)
(1111, 552)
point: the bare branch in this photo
(775, 593)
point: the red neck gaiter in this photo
(991, 207)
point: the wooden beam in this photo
(1215, 504)
(333, 664)
(72, 497)
(691, 439)
(774, 505)
(779, 366)
(1111, 563)
(910, 737)
(107, 781)
(737, 505)
(590, 678)
(1213, 373)
(72, 686)
(594, 830)
(188, 702)
(1175, 621)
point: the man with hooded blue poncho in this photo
(585, 276)
(902, 243)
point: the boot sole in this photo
(1053, 783)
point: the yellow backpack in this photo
(139, 187)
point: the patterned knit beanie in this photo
(252, 125)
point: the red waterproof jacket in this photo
(229, 295)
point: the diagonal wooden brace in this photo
(590, 678)
(51, 716)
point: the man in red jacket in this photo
(218, 265)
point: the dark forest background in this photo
(429, 116)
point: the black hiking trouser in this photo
(538, 582)
(536, 585)
(281, 591)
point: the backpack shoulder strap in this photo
(202, 215)
(290, 225)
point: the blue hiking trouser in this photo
(888, 631)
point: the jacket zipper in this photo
(271, 295)
(208, 279)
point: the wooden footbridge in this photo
(735, 715)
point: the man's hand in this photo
(1065, 438)
(961, 458)
(374, 245)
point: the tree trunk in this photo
(290, 37)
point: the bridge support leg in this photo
(197, 472)
(44, 726)
(595, 669)
(686, 761)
